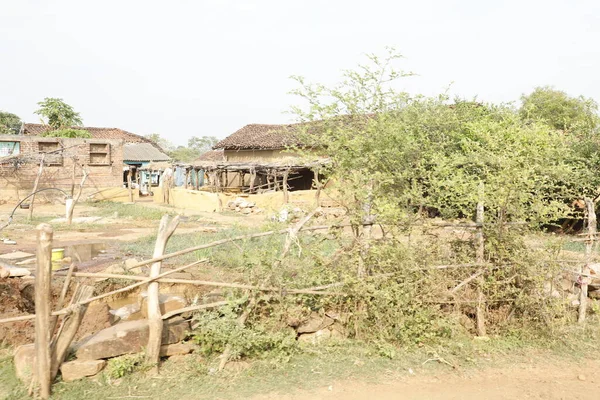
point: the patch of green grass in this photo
(578, 247)
(119, 367)
(10, 386)
(133, 211)
(241, 254)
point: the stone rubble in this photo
(127, 338)
(243, 206)
(78, 369)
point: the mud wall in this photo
(216, 202)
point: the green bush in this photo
(218, 329)
(119, 367)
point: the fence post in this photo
(155, 322)
(590, 212)
(42, 308)
(480, 255)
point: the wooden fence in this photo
(51, 345)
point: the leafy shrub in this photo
(218, 329)
(68, 133)
(118, 367)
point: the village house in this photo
(257, 158)
(256, 162)
(138, 151)
(107, 157)
(63, 162)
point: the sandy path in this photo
(539, 381)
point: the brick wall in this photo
(103, 158)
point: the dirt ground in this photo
(107, 228)
(537, 380)
(16, 295)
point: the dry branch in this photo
(468, 280)
(194, 308)
(69, 328)
(63, 294)
(35, 185)
(224, 241)
(293, 233)
(315, 290)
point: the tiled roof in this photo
(261, 137)
(143, 152)
(275, 137)
(97, 133)
(212, 155)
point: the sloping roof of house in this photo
(143, 152)
(97, 133)
(212, 155)
(260, 137)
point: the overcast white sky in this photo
(208, 67)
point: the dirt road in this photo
(539, 381)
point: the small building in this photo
(63, 159)
(138, 151)
(257, 158)
(137, 157)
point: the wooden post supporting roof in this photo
(286, 196)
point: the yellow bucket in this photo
(57, 256)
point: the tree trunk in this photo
(71, 204)
(35, 185)
(73, 177)
(480, 256)
(368, 220)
